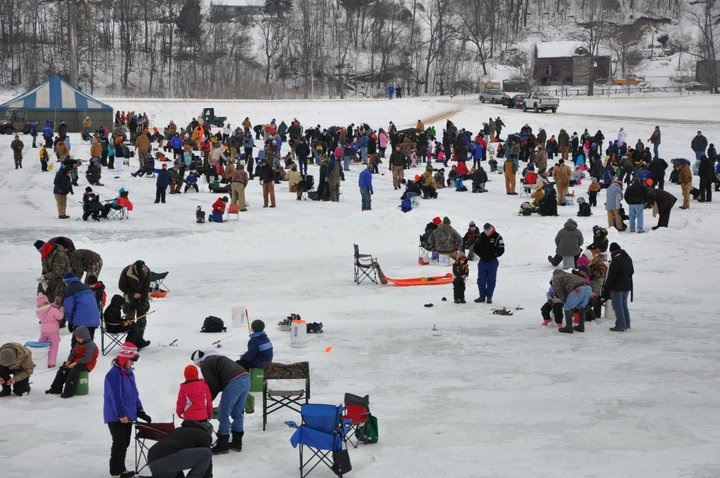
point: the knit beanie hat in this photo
(191, 372)
(199, 355)
(128, 351)
(437, 221)
(39, 244)
(615, 247)
(41, 300)
(446, 221)
(8, 357)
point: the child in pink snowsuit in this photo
(50, 316)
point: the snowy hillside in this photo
(457, 390)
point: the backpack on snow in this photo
(213, 324)
(368, 433)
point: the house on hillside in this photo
(567, 63)
(226, 10)
(704, 72)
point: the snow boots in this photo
(568, 329)
(581, 325)
(236, 443)
(222, 445)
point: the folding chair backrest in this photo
(293, 371)
(278, 395)
(324, 418)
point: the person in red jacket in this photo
(218, 209)
(194, 401)
(83, 357)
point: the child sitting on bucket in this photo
(82, 358)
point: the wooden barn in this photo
(567, 63)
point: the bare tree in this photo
(273, 30)
(704, 15)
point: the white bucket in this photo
(444, 260)
(298, 333)
(608, 311)
(568, 262)
(240, 317)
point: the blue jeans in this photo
(487, 277)
(346, 162)
(578, 298)
(698, 154)
(363, 155)
(232, 404)
(302, 165)
(366, 200)
(655, 150)
(620, 306)
(636, 214)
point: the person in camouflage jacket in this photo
(55, 263)
(85, 261)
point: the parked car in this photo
(516, 101)
(540, 101)
(493, 95)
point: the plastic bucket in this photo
(240, 316)
(256, 379)
(609, 312)
(298, 333)
(444, 260)
(568, 262)
(83, 384)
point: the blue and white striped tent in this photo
(55, 100)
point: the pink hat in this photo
(41, 300)
(583, 261)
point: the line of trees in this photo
(296, 48)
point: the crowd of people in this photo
(71, 294)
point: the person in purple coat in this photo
(122, 407)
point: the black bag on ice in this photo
(213, 324)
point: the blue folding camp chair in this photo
(322, 433)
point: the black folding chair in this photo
(365, 266)
(110, 340)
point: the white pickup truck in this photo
(540, 101)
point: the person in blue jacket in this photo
(34, 133)
(161, 183)
(80, 305)
(122, 407)
(48, 134)
(366, 188)
(259, 348)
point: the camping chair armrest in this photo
(291, 424)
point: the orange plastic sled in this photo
(412, 281)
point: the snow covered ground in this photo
(458, 391)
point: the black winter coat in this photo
(489, 247)
(187, 436)
(219, 371)
(657, 168)
(636, 193)
(619, 278)
(706, 171)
